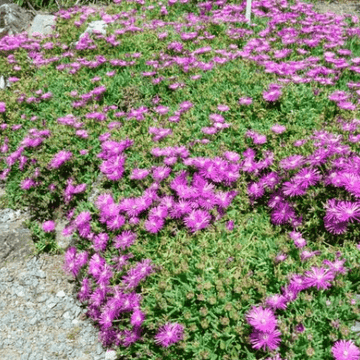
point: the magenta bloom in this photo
(319, 278)
(137, 318)
(197, 220)
(261, 319)
(256, 190)
(293, 189)
(124, 240)
(272, 95)
(48, 226)
(278, 129)
(291, 162)
(276, 301)
(337, 266)
(262, 340)
(345, 350)
(169, 334)
(282, 213)
(60, 158)
(161, 173)
(307, 177)
(154, 224)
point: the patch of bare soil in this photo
(337, 7)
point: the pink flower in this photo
(276, 301)
(262, 340)
(161, 173)
(345, 350)
(319, 278)
(245, 101)
(48, 226)
(154, 224)
(124, 240)
(262, 319)
(60, 158)
(337, 266)
(272, 95)
(137, 318)
(197, 220)
(278, 129)
(169, 334)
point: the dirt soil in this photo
(338, 7)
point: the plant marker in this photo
(248, 9)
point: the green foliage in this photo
(206, 281)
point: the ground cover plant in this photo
(228, 221)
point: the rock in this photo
(63, 241)
(356, 327)
(13, 19)
(15, 240)
(98, 25)
(41, 24)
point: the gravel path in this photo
(40, 317)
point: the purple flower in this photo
(291, 162)
(197, 220)
(262, 340)
(299, 241)
(124, 240)
(297, 283)
(337, 266)
(48, 226)
(282, 213)
(347, 211)
(60, 158)
(115, 223)
(270, 180)
(278, 129)
(137, 318)
(290, 294)
(280, 258)
(179, 209)
(276, 301)
(139, 174)
(256, 190)
(291, 189)
(230, 225)
(85, 290)
(169, 334)
(262, 319)
(161, 173)
(121, 261)
(100, 242)
(308, 254)
(345, 350)
(319, 278)
(154, 224)
(307, 177)
(300, 328)
(272, 95)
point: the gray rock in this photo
(13, 19)
(356, 327)
(99, 25)
(63, 241)
(41, 24)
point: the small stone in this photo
(60, 294)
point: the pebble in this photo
(39, 323)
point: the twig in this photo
(30, 6)
(57, 4)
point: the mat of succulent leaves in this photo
(106, 304)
